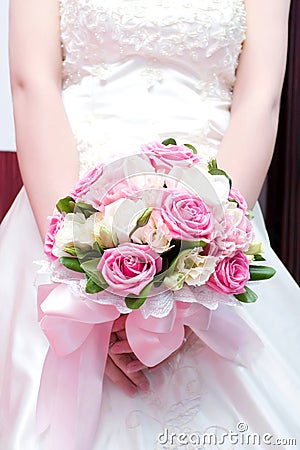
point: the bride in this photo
(92, 80)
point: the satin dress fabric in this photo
(136, 71)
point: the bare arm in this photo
(248, 144)
(45, 144)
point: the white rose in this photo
(255, 248)
(196, 268)
(155, 234)
(105, 225)
(76, 231)
(192, 269)
(116, 219)
(157, 241)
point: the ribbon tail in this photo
(92, 369)
(45, 403)
(228, 335)
(70, 392)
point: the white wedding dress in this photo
(135, 71)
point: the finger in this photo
(113, 339)
(188, 339)
(187, 333)
(138, 378)
(120, 347)
(119, 378)
(119, 323)
(121, 335)
(135, 366)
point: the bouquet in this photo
(161, 236)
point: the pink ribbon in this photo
(78, 331)
(71, 383)
(226, 333)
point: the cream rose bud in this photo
(196, 268)
(255, 248)
(155, 233)
(158, 241)
(104, 237)
(102, 233)
(174, 282)
(76, 231)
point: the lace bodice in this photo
(204, 36)
(139, 70)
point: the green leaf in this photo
(261, 272)
(83, 254)
(192, 244)
(169, 141)
(97, 247)
(71, 250)
(173, 264)
(72, 205)
(250, 214)
(136, 301)
(212, 164)
(87, 255)
(92, 288)
(190, 146)
(158, 282)
(86, 209)
(159, 278)
(90, 268)
(259, 257)
(142, 220)
(234, 201)
(220, 172)
(71, 263)
(247, 297)
(66, 205)
(180, 280)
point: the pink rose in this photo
(54, 225)
(167, 156)
(103, 185)
(235, 194)
(186, 216)
(239, 234)
(236, 233)
(83, 186)
(128, 268)
(124, 189)
(231, 275)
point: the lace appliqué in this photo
(184, 374)
(96, 34)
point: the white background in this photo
(7, 140)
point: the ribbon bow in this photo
(78, 331)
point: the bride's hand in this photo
(122, 367)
